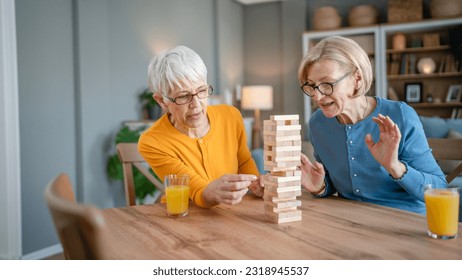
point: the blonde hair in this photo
(346, 52)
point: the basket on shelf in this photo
(445, 8)
(326, 18)
(403, 11)
(363, 15)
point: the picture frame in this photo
(413, 92)
(454, 93)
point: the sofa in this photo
(436, 127)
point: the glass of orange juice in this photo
(177, 194)
(442, 212)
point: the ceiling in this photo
(250, 2)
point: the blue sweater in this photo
(352, 171)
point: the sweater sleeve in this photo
(414, 152)
(164, 162)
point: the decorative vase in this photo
(326, 18)
(426, 65)
(399, 41)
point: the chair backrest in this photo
(129, 156)
(447, 149)
(80, 227)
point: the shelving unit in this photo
(436, 83)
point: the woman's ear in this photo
(358, 80)
(160, 100)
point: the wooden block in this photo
(281, 132)
(271, 148)
(269, 209)
(280, 179)
(277, 189)
(283, 194)
(284, 204)
(287, 173)
(283, 122)
(268, 197)
(287, 143)
(283, 214)
(276, 169)
(282, 159)
(281, 138)
(283, 117)
(281, 154)
(285, 164)
(277, 127)
(282, 184)
(283, 220)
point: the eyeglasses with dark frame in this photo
(185, 99)
(323, 88)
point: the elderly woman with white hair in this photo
(366, 148)
(207, 142)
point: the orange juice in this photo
(177, 200)
(442, 212)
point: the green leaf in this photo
(114, 168)
(143, 187)
(126, 135)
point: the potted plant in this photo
(151, 109)
(143, 187)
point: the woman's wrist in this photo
(398, 171)
(321, 190)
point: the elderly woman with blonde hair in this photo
(366, 148)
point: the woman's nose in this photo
(195, 101)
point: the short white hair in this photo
(175, 68)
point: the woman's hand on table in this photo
(257, 188)
(228, 189)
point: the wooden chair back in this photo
(447, 149)
(80, 227)
(130, 157)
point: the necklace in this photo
(367, 106)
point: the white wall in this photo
(273, 50)
(10, 188)
(82, 65)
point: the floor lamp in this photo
(257, 98)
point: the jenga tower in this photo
(282, 149)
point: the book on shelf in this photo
(412, 64)
(394, 64)
(404, 64)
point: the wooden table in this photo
(331, 228)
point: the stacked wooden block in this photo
(282, 149)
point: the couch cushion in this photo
(436, 127)
(448, 165)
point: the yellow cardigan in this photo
(222, 151)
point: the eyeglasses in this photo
(324, 88)
(185, 99)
